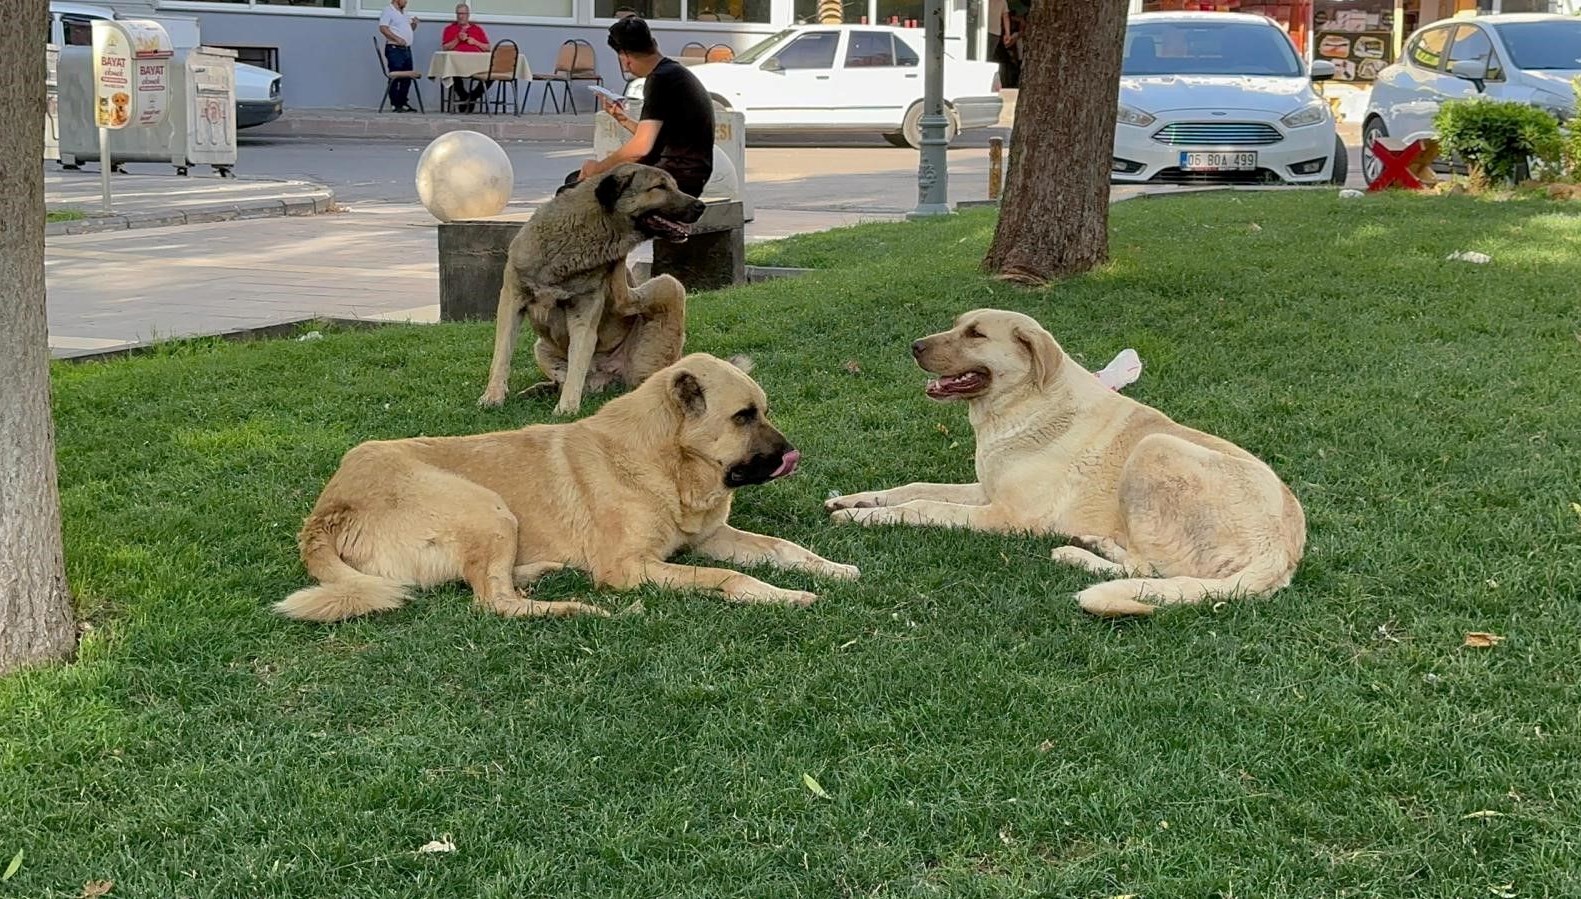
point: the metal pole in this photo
(104, 165)
(933, 176)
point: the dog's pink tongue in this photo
(787, 464)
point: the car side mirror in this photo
(772, 64)
(1472, 70)
(1322, 70)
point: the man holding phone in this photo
(676, 132)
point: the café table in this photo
(445, 66)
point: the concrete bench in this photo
(472, 256)
(716, 254)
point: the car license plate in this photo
(1218, 162)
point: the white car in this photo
(861, 78)
(1221, 98)
(257, 89)
(1525, 58)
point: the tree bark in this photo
(35, 607)
(1054, 217)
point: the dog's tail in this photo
(1140, 596)
(342, 592)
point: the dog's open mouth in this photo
(787, 464)
(967, 383)
(658, 226)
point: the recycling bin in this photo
(198, 129)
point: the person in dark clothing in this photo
(676, 132)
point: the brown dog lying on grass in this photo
(615, 494)
(1173, 513)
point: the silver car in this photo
(1529, 58)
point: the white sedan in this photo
(1221, 98)
(1523, 58)
(855, 78)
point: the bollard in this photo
(996, 166)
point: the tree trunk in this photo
(1054, 217)
(35, 608)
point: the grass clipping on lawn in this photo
(970, 733)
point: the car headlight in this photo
(1310, 114)
(1130, 115)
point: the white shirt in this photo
(399, 23)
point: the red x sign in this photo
(1399, 164)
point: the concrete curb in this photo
(319, 201)
(276, 331)
(426, 127)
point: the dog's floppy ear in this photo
(609, 189)
(1043, 352)
(688, 393)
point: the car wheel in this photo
(911, 126)
(1341, 168)
(1370, 166)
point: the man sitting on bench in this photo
(676, 132)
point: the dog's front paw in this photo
(493, 398)
(864, 515)
(841, 572)
(565, 408)
(866, 500)
(796, 599)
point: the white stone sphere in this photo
(463, 175)
(723, 182)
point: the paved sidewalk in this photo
(153, 201)
(342, 123)
(376, 262)
(379, 262)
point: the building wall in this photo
(326, 56)
(330, 61)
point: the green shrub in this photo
(1573, 140)
(1498, 139)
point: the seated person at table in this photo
(465, 36)
(677, 128)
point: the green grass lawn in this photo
(975, 734)
(63, 215)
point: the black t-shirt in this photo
(685, 147)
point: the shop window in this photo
(684, 10)
(899, 12)
(852, 12)
(436, 14)
(78, 30)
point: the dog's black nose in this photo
(916, 348)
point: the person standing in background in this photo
(465, 36)
(996, 36)
(398, 29)
(1012, 22)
